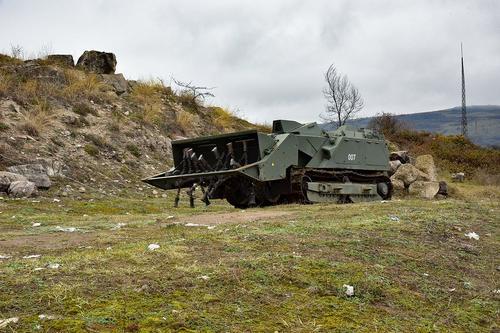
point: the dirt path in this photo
(63, 240)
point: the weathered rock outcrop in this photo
(424, 189)
(408, 174)
(97, 62)
(117, 81)
(35, 173)
(401, 155)
(394, 165)
(65, 60)
(6, 178)
(22, 189)
(425, 163)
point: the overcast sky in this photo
(267, 58)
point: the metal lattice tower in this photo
(464, 107)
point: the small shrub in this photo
(134, 150)
(3, 127)
(84, 109)
(114, 127)
(96, 140)
(91, 149)
(8, 60)
(55, 140)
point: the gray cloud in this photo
(267, 58)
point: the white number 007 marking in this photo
(351, 157)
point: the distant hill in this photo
(484, 122)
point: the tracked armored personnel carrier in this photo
(295, 163)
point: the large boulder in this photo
(65, 60)
(425, 163)
(394, 165)
(97, 62)
(53, 168)
(22, 189)
(35, 173)
(424, 189)
(401, 155)
(408, 174)
(117, 81)
(6, 178)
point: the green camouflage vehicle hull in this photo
(295, 163)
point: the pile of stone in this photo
(24, 181)
(415, 176)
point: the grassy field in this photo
(278, 269)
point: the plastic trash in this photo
(32, 256)
(394, 218)
(68, 229)
(472, 235)
(152, 247)
(349, 290)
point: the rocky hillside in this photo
(90, 128)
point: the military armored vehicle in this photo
(295, 163)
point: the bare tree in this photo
(197, 93)
(343, 98)
(387, 124)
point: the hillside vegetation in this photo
(483, 121)
(100, 134)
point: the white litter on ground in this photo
(349, 290)
(394, 218)
(5, 256)
(56, 200)
(204, 277)
(472, 235)
(36, 224)
(108, 248)
(68, 229)
(38, 269)
(45, 317)
(195, 225)
(152, 247)
(53, 266)
(118, 226)
(170, 217)
(32, 256)
(5, 322)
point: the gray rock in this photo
(6, 178)
(65, 60)
(34, 172)
(394, 165)
(22, 189)
(117, 81)
(424, 189)
(408, 174)
(401, 156)
(425, 163)
(97, 62)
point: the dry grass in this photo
(38, 119)
(80, 84)
(186, 121)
